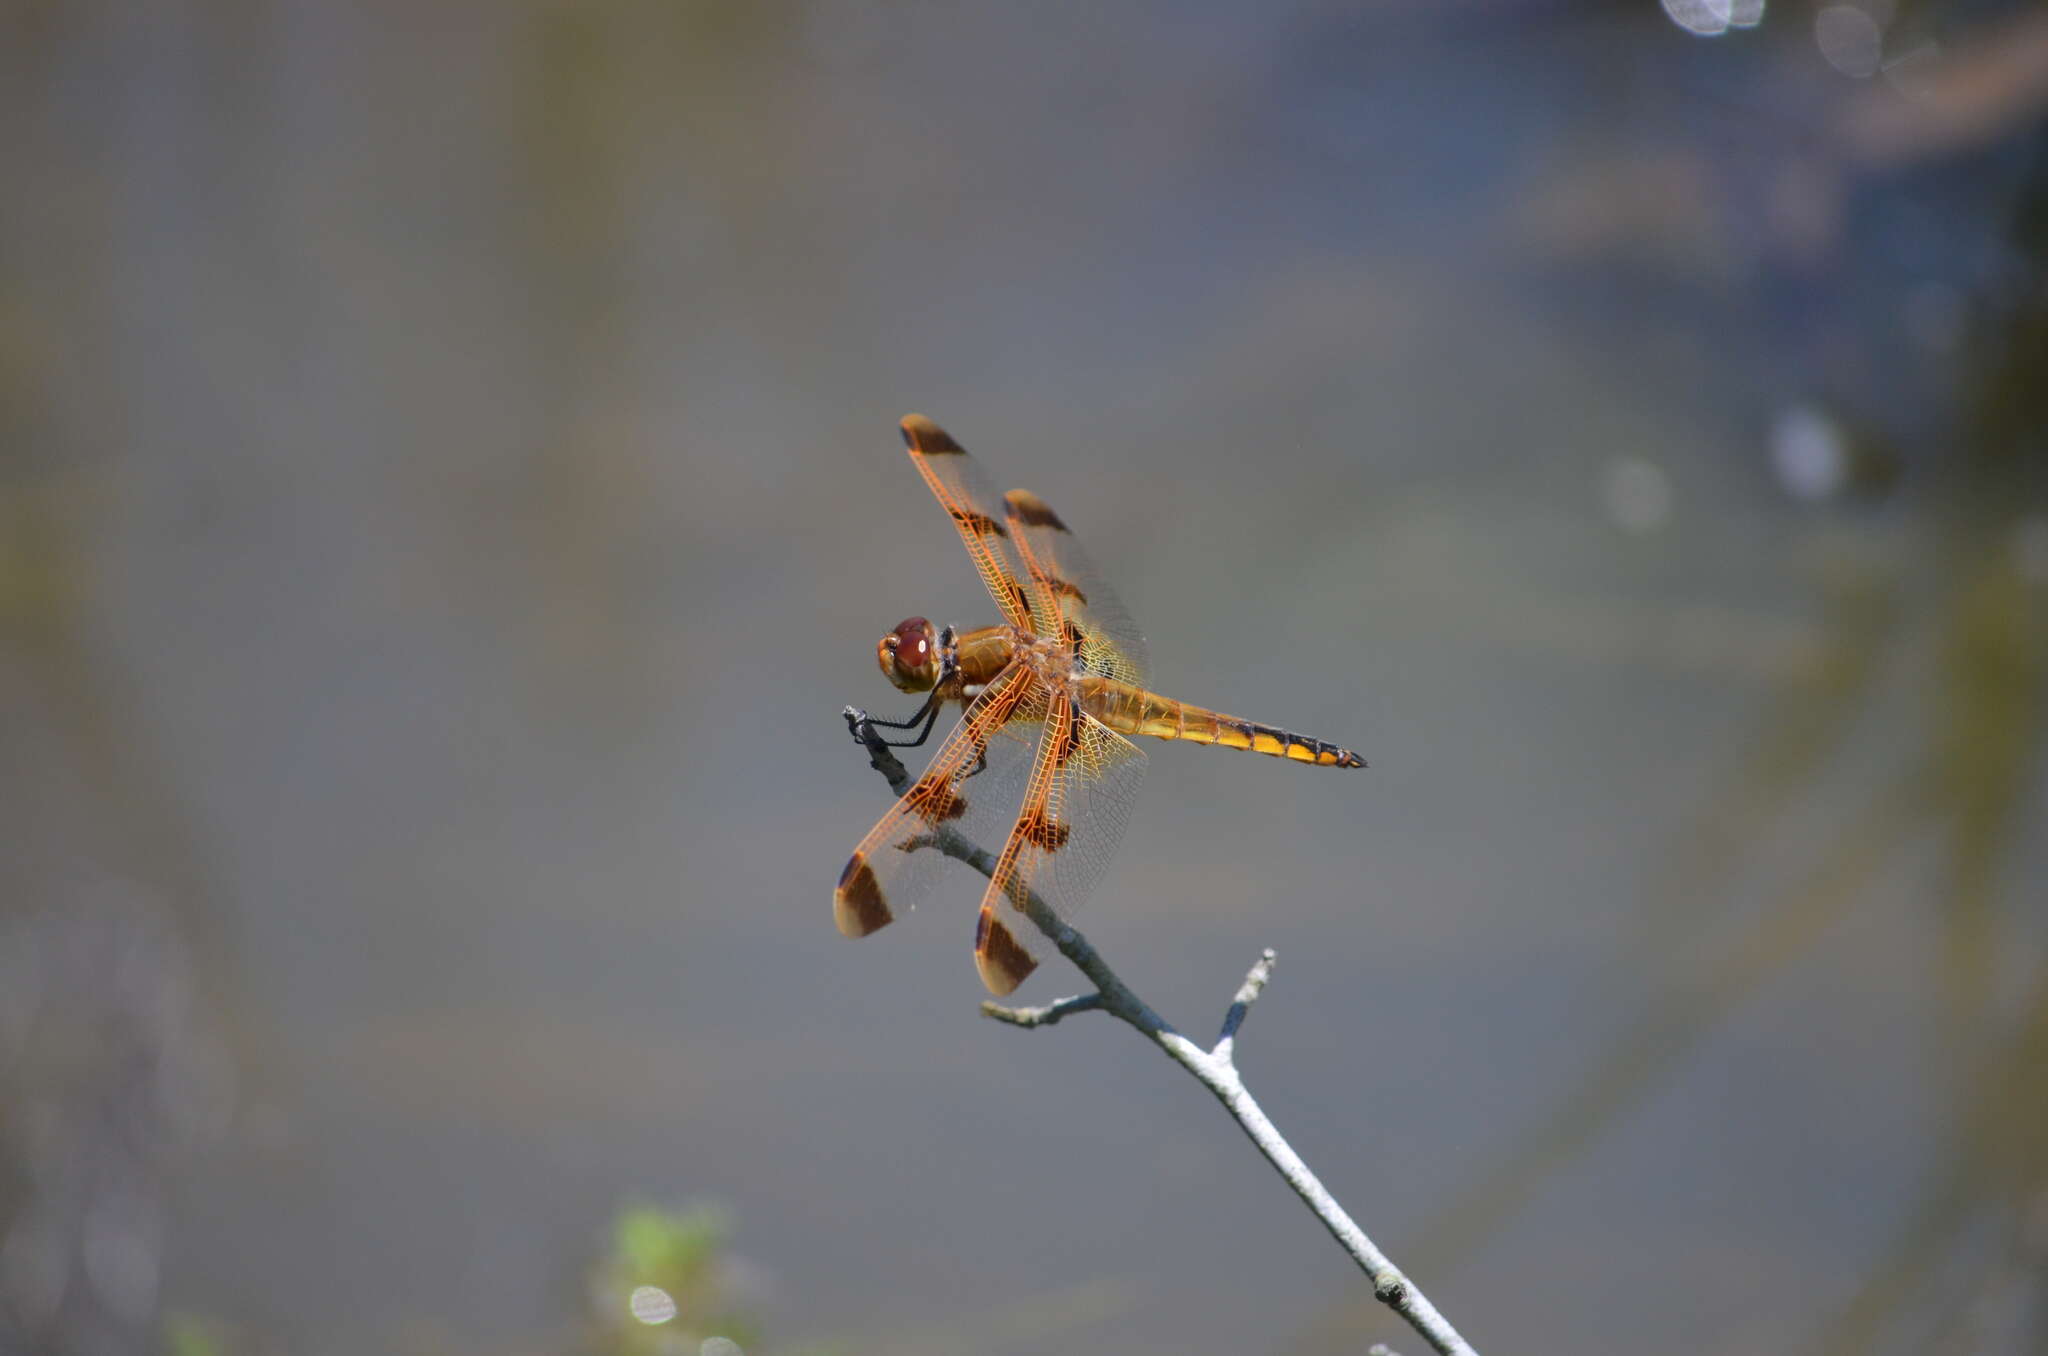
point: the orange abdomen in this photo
(1132, 710)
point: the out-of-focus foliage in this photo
(190, 1335)
(665, 1287)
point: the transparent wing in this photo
(1110, 642)
(962, 489)
(1097, 793)
(892, 871)
(1083, 780)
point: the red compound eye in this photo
(910, 655)
(913, 642)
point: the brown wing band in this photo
(1029, 508)
(1003, 963)
(933, 799)
(857, 905)
(922, 435)
(978, 523)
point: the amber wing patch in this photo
(933, 799)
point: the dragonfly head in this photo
(909, 655)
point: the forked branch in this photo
(1215, 1068)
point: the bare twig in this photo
(879, 757)
(1215, 1068)
(1045, 1016)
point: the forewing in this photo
(962, 489)
(894, 869)
(1110, 642)
(1084, 778)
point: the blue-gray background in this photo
(451, 488)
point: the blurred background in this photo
(450, 488)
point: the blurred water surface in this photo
(450, 491)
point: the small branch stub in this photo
(1045, 1016)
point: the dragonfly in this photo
(1041, 758)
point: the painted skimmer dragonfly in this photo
(1041, 760)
